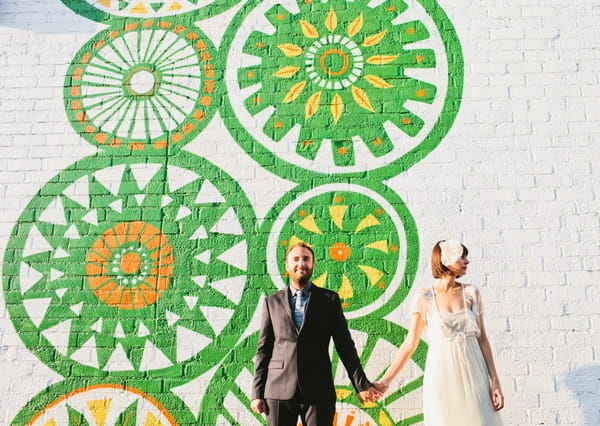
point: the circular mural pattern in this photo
(226, 400)
(142, 86)
(133, 268)
(70, 403)
(359, 236)
(341, 86)
(105, 10)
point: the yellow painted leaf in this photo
(309, 30)
(381, 59)
(321, 280)
(331, 20)
(384, 420)
(361, 98)
(312, 105)
(378, 82)
(342, 394)
(294, 92)
(337, 107)
(286, 72)
(356, 25)
(374, 39)
(290, 50)
(346, 292)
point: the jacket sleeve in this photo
(263, 354)
(345, 347)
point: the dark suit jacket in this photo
(288, 358)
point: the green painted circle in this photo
(126, 267)
(341, 87)
(143, 87)
(364, 238)
(111, 11)
(226, 400)
(78, 402)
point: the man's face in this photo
(299, 265)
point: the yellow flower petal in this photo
(331, 20)
(378, 82)
(374, 39)
(309, 30)
(356, 25)
(312, 105)
(294, 92)
(381, 59)
(286, 72)
(337, 107)
(290, 50)
(361, 98)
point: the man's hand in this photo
(370, 394)
(259, 406)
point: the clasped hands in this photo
(373, 392)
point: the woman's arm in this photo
(408, 347)
(486, 349)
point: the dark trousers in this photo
(312, 413)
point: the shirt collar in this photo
(305, 290)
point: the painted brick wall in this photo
(136, 248)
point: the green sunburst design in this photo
(226, 400)
(142, 86)
(117, 10)
(75, 403)
(123, 267)
(351, 78)
(364, 241)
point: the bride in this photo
(461, 386)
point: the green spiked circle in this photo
(364, 238)
(126, 268)
(92, 402)
(142, 87)
(341, 87)
(111, 11)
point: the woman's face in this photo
(459, 267)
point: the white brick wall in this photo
(517, 179)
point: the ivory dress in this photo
(456, 387)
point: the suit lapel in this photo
(284, 299)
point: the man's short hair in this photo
(299, 244)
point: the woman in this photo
(461, 386)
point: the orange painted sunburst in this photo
(130, 266)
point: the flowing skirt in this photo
(456, 387)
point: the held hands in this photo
(381, 386)
(259, 406)
(371, 394)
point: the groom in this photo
(293, 374)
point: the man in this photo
(292, 366)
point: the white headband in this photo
(452, 250)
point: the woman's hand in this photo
(497, 396)
(381, 386)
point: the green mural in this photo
(132, 268)
(142, 86)
(137, 273)
(340, 87)
(364, 241)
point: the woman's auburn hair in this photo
(438, 270)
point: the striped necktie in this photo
(299, 307)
